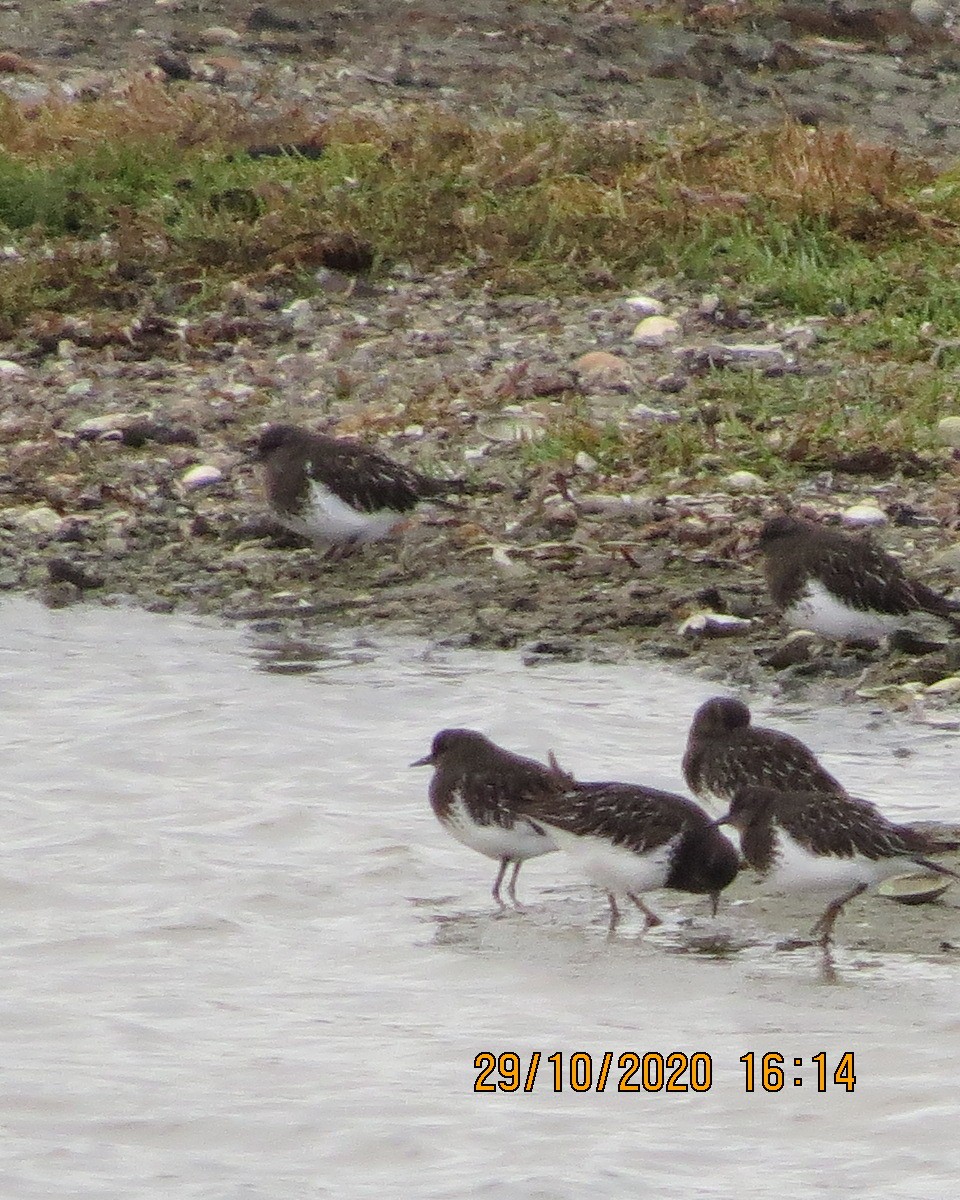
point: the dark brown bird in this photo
(339, 493)
(841, 585)
(480, 794)
(836, 846)
(726, 753)
(630, 839)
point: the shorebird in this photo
(726, 753)
(339, 493)
(480, 792)
(629, 839)
(836, 846)
(842, 585)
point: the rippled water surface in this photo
(241, 959)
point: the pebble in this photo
(645, 306)
(584, 461)
(861, 515)
(670, 384)
(95, 427)
(797, 647)
(40, 520)
(204, 475)
(711, 624)
(927, 12)
(646, 414)
(948, 558)
(219, 35)
(744, 481)
(625, 505)
(709, 303)
(300, 316)
(948, 430)
(12, 370)
(601, 369)
(948, 686)
(656, 331)
(800, 337)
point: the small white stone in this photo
(94, 427)
(299, 315)
(645, 306)
(709, 303)
(12, 370)
(219, 35)
(948, 430)
(860, 515)
(201, 476)
(927, 12)
(711, 624)
(656, 331)
(646, 414)
(744, 481)
(761, 351)
(508, 566)
(947, 686)
(584, 461)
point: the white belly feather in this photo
(521, 841)
(821, 611)
(328, 519)
(797, 870)
(615, 868)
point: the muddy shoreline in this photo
(100, 435)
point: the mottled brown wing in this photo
(498, 798)
(844, 826)
(628, 815)
(757, 758)
(372, 482)
(870, 579)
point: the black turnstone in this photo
(478, 792)
(630, 839)
(725, 753)
(842, 585)
(836, 846)
(339, 493)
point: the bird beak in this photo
(426, 761)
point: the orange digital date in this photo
(650, 1071)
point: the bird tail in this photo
(563, 778)
(929, 865)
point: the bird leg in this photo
(714, 903)
(652, 920)
(504, 863)
(825, 925)
(512, 885)
(614, 913)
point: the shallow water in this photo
(242, 960)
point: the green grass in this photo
(115, 203)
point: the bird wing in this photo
(844, 826)
(628, 815)
(493, 798)
(758, 758)
(372, 482)
(871, 579)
